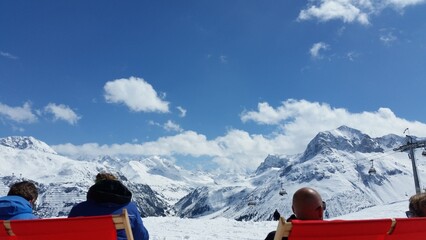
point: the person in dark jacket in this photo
(276, 216)
(109, 196)
(307, 205)
(19, 202)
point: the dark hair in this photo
(25, 189)
(418, 205)
(105, 176)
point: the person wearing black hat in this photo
(109, 196)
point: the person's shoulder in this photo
(81, 204)
(78, 208)
(24, 216)
(18, 203)
(14, 198)
(132, 204)
(132, 208)
(270, 236)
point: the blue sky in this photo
(201, 82)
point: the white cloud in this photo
(350, 11)
(170, 126)
(296, 122)
(182, 111)
(265, 115)
(223, 59)
(18, 114)
(400, 4)
(8, 55)
(352, 55)
(300, 115)
(18, 129)
(387, 36)
(136, 94)
(62, 112)
(316, 48)
(345, 10)
(185, 143)
(153, 123)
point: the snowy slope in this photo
(173, 228)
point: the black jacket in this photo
(271, 235)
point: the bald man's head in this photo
(307, 204)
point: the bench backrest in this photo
(372, 229)
(78, 228)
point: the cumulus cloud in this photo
(8, 55)
(350, 11)
(296, 115)
(22, 114)
(62, 112)
(296, 123)
(136, 94)
(325, 10)
(170, 126)
(185, 143)
(316, 48)
(182, 111)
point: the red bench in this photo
(78, 228)
(373, 229)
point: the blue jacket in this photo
(110, 197)
(15, 207)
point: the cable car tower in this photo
(410, 146)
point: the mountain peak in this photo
(272, 161)
(348, 130)
(26, 142)
(343, 138)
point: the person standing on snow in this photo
(109, 196)
(19, 202)
(276, 216)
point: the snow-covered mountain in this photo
(335, 162)
(62, 182)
